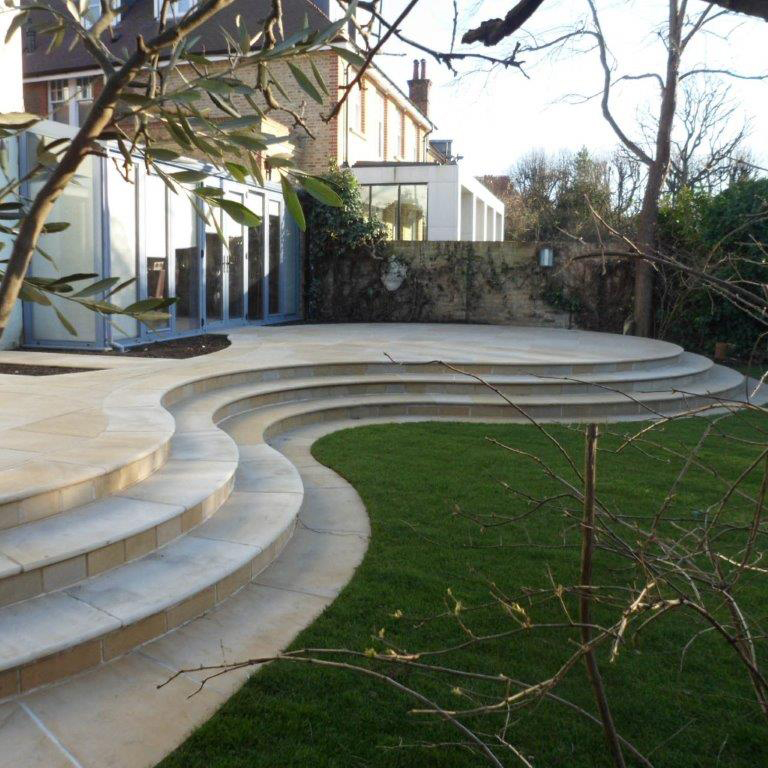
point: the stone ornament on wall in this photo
(393, 273)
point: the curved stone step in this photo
(51, 636)
(137, 428)
(53, 553)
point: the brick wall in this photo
(438, 282)
(36, 98)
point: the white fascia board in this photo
(480, 191)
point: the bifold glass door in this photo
(170, 254)
(247, 276)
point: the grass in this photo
(697, 714)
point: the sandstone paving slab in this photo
(24, 743)
(270, 473)
(186, 482)
(252, 518)
(82, 530)
(47, 624)
(318, 563)
(334, 509)
(211, 444)
(257, 622)
(116, 717)
(170, 575)
(88, 423)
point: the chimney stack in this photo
(418, 87)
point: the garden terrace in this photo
(148, 521)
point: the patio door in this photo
(226, 256)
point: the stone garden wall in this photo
(499, 282)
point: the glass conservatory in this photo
(222, 273)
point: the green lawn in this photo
(410, 477)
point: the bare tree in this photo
(493, 31)
(707, 150)
(676, 33)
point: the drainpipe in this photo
(346, 117)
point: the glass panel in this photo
(384, 206)
(83, 108)
(155, 238)
(184, 247)
(214, 276)
(235, 266)
(256, 261)
(236, 274)
(274, 257)
(413, 212)
(75, 249)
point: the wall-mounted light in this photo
(546, 257)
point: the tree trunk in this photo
(585, 598)
(648, 224)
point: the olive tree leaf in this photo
(305, 83)
(321, 191)
(292, 203)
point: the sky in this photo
(496, 117)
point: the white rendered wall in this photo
(11, 100)
(458, 206)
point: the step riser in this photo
(98, 650)
(564, 414)
(41, 505)
(561, 408)
(256, 376)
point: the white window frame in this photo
(73, 90)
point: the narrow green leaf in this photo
(239, 213)
(67, 325)
(29, 292)
(55, 226)
(160, 153)
(239, 172)
(321, 191)
(16, 22)
(99, 286)
(292, 203)
(355, 59)
(17, 120)
(318, 77)
(305, 83)
(189, 177)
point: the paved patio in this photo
(159, 514)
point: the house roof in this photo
(139, 19)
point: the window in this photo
(92, 13)
(401, 207)
(355, 107)
(177, 9)
(399, 120)
(70, 100)
(381, 106)
(58, 98)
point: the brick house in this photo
(383, 133)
